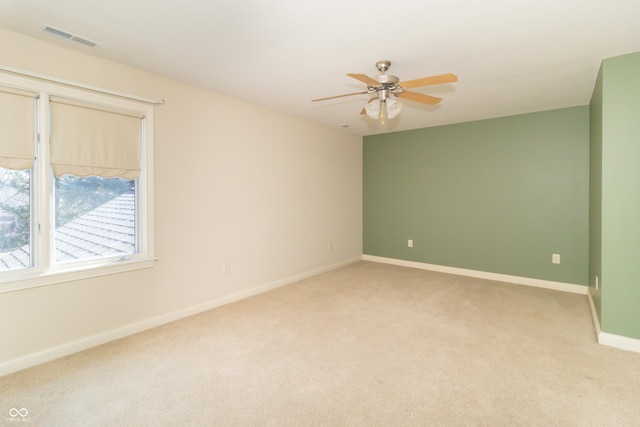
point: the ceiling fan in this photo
(382, 106)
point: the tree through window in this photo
(15, 219)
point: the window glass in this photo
(95, 217)
(15, 219)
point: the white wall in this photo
(246, 185)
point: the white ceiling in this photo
(511, 56)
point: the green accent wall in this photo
(499, 195)
(616, 234)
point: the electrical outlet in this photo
(330, 245)
(226, 268)
(555, 258)
(410, 243)
(597, 282)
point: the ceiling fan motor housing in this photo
(387, 80)
(388, 83)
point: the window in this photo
(94, 218)
(17, 153)
(15, 219)
(75, 193)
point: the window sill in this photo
(28, 281)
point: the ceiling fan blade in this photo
(418, 97)
(339, 96)
(433, 80)
(364, 79)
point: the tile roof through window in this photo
(108, 230)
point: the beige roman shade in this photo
(17, 128)
(89, 140)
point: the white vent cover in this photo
(69, 36)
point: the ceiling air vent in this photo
(69, 36)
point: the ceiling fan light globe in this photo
(393, 108)
(373, 109)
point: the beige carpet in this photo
(365, 345)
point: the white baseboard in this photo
(618, 341)
(594, 316)
(611, 340)
(547, 284)
(114, 334)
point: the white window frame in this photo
(44, 271)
